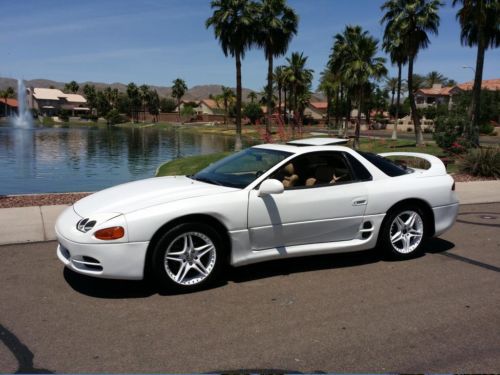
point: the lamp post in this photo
(469, 67)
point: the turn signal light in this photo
(112, 233)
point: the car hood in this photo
(141, 194)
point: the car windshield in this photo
(242, 168)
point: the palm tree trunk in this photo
(279, 101)
(237, 143)
(328, 109)
(392, 97)
(419, 139)
(398, 96)
(269, 93)
(358, 122)
(179, 109)
(284, 105)
(476, 92)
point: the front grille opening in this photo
(65, 252)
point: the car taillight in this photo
(112, 233)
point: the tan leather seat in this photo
(322, 175)
(290, 177)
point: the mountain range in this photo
(194, 93)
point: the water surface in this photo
(48, 159)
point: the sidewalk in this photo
(34, 224)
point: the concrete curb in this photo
(36, 223)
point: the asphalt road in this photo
(341, 313)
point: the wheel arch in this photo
(192, 218)
(429, 220)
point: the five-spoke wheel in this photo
(403, 232)
(188, 257)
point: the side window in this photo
(315, 170)
(359, 169)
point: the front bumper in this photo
(112, 261)
(444, 217)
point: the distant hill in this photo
(194, 93)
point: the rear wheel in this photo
(403, 232)
(188, 257)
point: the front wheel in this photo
(403, 233)
(188, 257)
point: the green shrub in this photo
(114, 117)
(64, 115)
(253, 111)
(448, 132)
(483, 162)
(486, 128)
(47, 120)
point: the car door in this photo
(306, 213)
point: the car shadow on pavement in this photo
(117, 289)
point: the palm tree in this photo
(227, 98)
(434, 77)
(391, 85)
(6, 94)
(234, 27)
(328, 86)
(179, 88)
(91, 96)
(393, 45)
(71, 87)
(144, 93)
(280, 77)
(479, 21)
(133, 95)
(252, 96)
(412, 20)
(277, 23)
(299, 78)
(361, 65)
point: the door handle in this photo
(359, 202)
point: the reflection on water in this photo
(88, 159)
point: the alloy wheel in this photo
(406, 231)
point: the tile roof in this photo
(319, 105)
(487, 84)
(437, 91)
(10, 102)
(55, 94)
(210, 103)
(75, 98)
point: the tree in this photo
(134, 100)
(412, 20)
(252, 96)
(233, 22)
(328, 85)
(280, 77)
(480, 26)
(276, 25)
(144, 95)
(179, 88)
(7, 94)
(253, 111)
(227, 99)
(71, 87)
(434, 77)
(167, 105)
(153, 104)
(299, 78)
(91, 96)
(360, 65)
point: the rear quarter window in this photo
(387, 166)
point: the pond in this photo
(87, 158)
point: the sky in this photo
(157, 41)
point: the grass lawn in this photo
(192, 164)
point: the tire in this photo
(188, 257)
(403, 232)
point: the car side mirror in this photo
(271, 186)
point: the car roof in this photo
(301, 149)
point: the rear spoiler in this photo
(437, 166)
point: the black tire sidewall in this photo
(158, 269)
(385, 235)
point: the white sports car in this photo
(270, 201)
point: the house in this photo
(50, 101)
(439, 95)
(316, 110)
(204, 106)
(8, 107)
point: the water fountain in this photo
(24, 118)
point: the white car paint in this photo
(260, 227)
